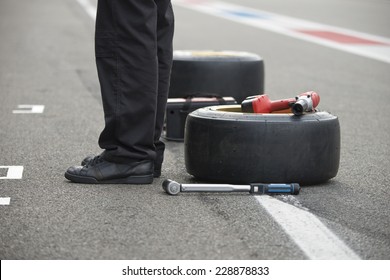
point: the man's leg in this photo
(165, 30)
(127, 64)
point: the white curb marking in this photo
(359, 43)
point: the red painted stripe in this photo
(340, 38)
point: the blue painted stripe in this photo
(246, 14)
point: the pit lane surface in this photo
(47, 59)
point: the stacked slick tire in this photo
(224, 145)
(224, 73)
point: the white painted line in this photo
(307, 231)
(5, 200)
(29, 109)
(88, 7)
(359, 43)
(13, 172)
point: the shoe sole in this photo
(135, 180)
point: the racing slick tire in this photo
(222, 144)
(224, 73)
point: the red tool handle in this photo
(262, 104)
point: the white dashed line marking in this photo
(29, 109)
(13, 172)
(5, 200)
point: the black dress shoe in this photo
(100, 171)
(156, 172)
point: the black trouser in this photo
(133, 46)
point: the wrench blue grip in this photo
(275, 188)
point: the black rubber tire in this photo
(224, 145)
(226, 73)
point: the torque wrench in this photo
(173, 188)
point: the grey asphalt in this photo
(46, 57)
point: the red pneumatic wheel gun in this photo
(305, 102)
